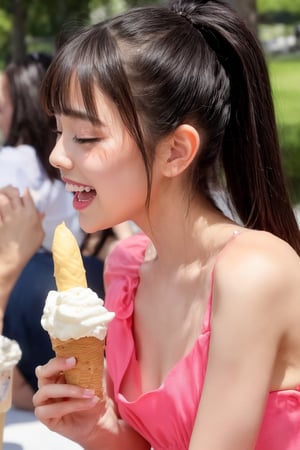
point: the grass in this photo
(285, 79)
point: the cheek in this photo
(120, 179)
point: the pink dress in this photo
(165, 416)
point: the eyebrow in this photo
(83, 115)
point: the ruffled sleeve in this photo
(121, 278)
(121, 273)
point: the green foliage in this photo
(5, 27)
(292, 6)
(278, 11)
(47, 18)
(284, 74)
(43, 20)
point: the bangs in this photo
(87, 61)
(91, 61)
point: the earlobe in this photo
(182, 149)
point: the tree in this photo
(32, 19)
(35, 18)
(5, 29)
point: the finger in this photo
(10, 190)
(53, 392)
(10, 201)
(5, 207)
(27, 199)
(30, 206)
(60, 409)
(52, 369)
(13, 195)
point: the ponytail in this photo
(250, 154)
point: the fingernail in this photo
(88, 393)
(94, 400)
(70, 362)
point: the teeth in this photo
(75, 188)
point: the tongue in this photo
(85, 196)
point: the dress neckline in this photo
(204, 332)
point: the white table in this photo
(23, 431)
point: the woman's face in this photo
(100, 163)
(6, 108)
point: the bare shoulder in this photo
(259, 268)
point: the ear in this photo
(180, 151)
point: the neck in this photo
(182, 236)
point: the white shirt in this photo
(20, 167)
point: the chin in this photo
(90, 226)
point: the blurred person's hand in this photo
(21, 234)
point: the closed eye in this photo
(87, 140)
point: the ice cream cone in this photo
(2, 423)
(6, 376)
(74, 316)
(89, 354)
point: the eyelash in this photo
(78, 140)
(85, 140)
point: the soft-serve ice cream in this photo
(10, 354)
(75, 313)
(74, 316)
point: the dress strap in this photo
(208, 312)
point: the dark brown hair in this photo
(194, 63)
(30, 124)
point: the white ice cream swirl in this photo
(75, 313)
(10, 353)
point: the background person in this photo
(21, 235)
(28, 138)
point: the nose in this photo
(59, 159)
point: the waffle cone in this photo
(89, 354)
(69, 270)
(2, 424)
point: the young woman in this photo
(157, 110)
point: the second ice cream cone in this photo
(2, 424)
(89, 354)
(10, 354)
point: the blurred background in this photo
(33, 26)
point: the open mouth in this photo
(81, 193)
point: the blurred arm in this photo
(21, 234)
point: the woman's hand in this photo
(78, 414)
(72, 411)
